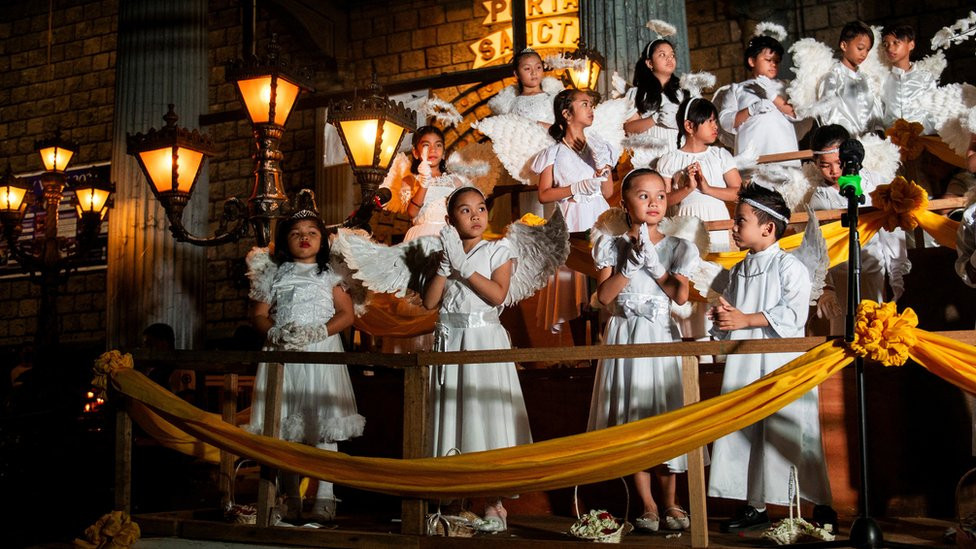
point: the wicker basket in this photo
(966, 510)
(235, 512)
(624, 527)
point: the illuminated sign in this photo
(550, 24)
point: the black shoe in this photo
(824, 515)
(746, 518)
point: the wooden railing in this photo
(416, 369)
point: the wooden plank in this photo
(267, 491)
(123, 458)
(228, 412)
(785, 157)
(416, 383)
(696, 460)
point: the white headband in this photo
(827, 151)
(766, 209)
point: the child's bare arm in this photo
(260, 316)
(729, 318)
(434, 292)
(676, 287)
(494, 290)
(344, 313)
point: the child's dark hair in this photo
(904, 33)
(649, 88)
(452, 200)
(417, 136)
(285, 225)
(770, 199)
(632, 176)
(564, 102)
(696, 110)
(828, 137)
(854, 29)
(515, 63)
(759, 44)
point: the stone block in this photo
(424, 37)
(459, 10)
(699, 11)
(816, 17)
(842, 13)
(433, 14)
(387, 65)
(714, 33)
(461, 54)
(399, 42)
(375, 46)
(100, 62)
(438, 56)
(406, 20)
(704, 59)
(448, 34)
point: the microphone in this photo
(851, 158)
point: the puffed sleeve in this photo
(669, 165)
(500, 253)
(261, 272)
(725, 160)
(729, 108)
(544, 159)
(789, 315)
(966, 245)
(605, 251)
(685, 258)
(503, 101)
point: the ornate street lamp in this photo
(588, 64)
(13, 195)
(371, 129)
(268, 93)
(91, 203)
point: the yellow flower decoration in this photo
(532, 220)
(900, 201)
(908, 137)
(105, 364)
(883, 335)
(114, 530)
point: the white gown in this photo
(629, 389)
(754, 464)
(318, 405)
(885, 254)
(567, 292)
(432, 215)
(766, 133)
(665, 126)
(475, 407)
(715, 163)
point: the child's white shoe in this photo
(648, 521)
(681, 522)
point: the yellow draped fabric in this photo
(908, 136)
(881, 335)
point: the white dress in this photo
(715, 163)
(852, 104)
(665, 126)
(629, 389)
(431, 217)
(754, 464)
(475, 407)
(567, 291)
(318, 405)
(766, 133)
(885, 254)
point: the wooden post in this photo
(228, 412)
(123, 457)
(696, 460)
(416, 382)
(267, 485)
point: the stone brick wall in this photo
(68, 86)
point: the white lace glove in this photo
(651, 260)
(635, 260)
(586, 187)
(761, 106)
(276, 334)
(828, 306)
(300, 337)
(773, 88)
(454, 252)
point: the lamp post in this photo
(53, 267)
(586, 72)
(370, 128)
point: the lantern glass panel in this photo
(257, 98)
(159, 167)
(55, 159)
(11, 198)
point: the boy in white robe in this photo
(906, 84)
(768, 296)
(844, 90)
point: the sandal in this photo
(648, 521)
(495, 521)
(676, 523)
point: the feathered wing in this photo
(687, 227)
(389, 269)
(612, 222)
(618, 85)
(552, 85)
(812, 253)
(478, 163)
(934, 64)
(608, 123)
(881, 156)
(515, 140)
(394, 181)
(261, 271)
(539, 251)
(875, 67)
(709, 279)
(645, 148)
(354, 287)
(949, 107)
(811, 61)
(791, 182)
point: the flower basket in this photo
(599, 525)
(236, 512)
(795, 529)
(461, 525)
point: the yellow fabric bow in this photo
(114, 530)
(105, 365)
(908, 136)
(883, 335)
(900, 203)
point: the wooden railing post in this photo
(123, 457)
(416, 383)
(228, 412)
(696, 460)
(267, 485)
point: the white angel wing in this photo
(612, 222)
(934, 64)
(608, 123)
(261, 271)
(875, 67)
(539, 251)
(811, 61)
(790, 182)
(645, 148)
(401, 193)
(353, 286)
(689, 228)
(881, 156)
(478, 163)
(746, 159)
(515, 140)
(709, 279)
(812, 252)
(949, 107)
(504, 100)
(618, 85)
(389, 269)
(552, 85)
